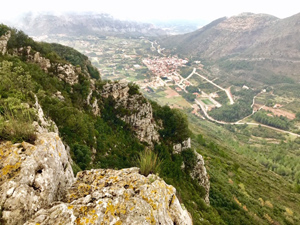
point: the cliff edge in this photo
(38, 187)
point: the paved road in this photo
(188, 77)
(203, 77)
(202, 106)
(218, 86)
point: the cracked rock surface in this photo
(37, 186)
(140, 115)
(32, 176)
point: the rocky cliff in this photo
(3, 42)
(200, 175)
(38, 187)
(138, 111)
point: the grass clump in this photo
(148, 162)
(16, 122)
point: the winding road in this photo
(203, 108)
(223, 89)
(227, 91)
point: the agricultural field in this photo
(178, 82)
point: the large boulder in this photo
(37, 186)
(32, 177)
(116, 197)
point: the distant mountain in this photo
(174, 27)
(252, 45)
(223, 37)
(83, 24)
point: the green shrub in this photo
(149, 162)
(133, 89)
(189, 159)
(3, 29)
(82, 155)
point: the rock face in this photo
(182, 146)
(37, 186)
(32, 177)
(199, 173)
(67, 72)
(42, 61)
(3, 42)
(116, 197)
(43, 125)
(139, 110)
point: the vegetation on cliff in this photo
(241, 189)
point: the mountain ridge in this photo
(83, 24)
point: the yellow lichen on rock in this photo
(102, 196)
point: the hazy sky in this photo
(142, 10)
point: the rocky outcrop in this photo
(138, 111)
(67, 72)
(116, 197)
(37, 186)
(32, 177)
(3, 42)
(178, 148)
(41, 61)
(43, 125)
(93, 102)
(199, 173)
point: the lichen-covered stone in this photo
(32, 177)
(41, 61)
(37, 186)
(116, 197)
(94, 104)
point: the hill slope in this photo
(264, 43)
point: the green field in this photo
(207, 102)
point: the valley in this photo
(179, 83)
(244, 120)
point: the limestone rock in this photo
(67, 72)
(116, 197)
(59, 96)
(42, 61)
(3, 42)
(43, 125)
(94, 104)
(32, 177)
(139, 115)
(178, 148)
(199, 173)
(37, 186)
